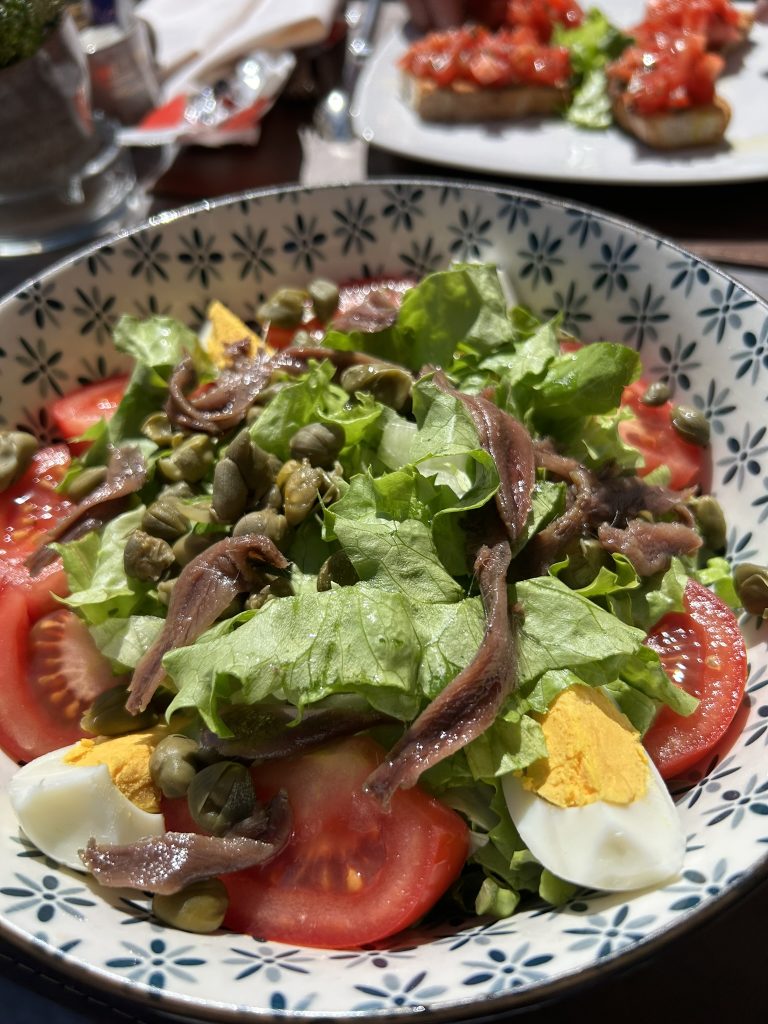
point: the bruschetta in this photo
(470, 74)
(722, 25)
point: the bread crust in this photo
(466, 103)
(675, 129)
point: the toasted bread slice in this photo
(675, 129)
(465, 102)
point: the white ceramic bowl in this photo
(696, 328)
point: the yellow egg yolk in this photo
(127, 758)
(593, 753)
(227, 329)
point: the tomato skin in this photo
(652, 433)
(31, 507)
(703, 651)
(76, 412)
(352, 872)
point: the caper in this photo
(691, 425)
(181, 489)
(277, 587)
(146, 558)
(230, 493)
(284, 308)
(337, 569)
(272, 499)
(656, 393)
(190, 461)
(164, 590)
(16, 450)
(285, 471)
(157, 428)
(390, 385)
(164, 518)
(710, 521)
(191, 545)
(199, 907)
(221, 795)
(301, 492)
(107, 715)
(254, 463)
(85, 482)
(318, 443)
(325, 298)
(266, 522)
(172, 765)
(752, 587)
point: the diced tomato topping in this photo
(543, 15)
(509, 57)
(717, 21)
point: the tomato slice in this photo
(352, 872)
(52, 672)
(652, 433)
(702, 650)
(76, 412)
(31, 506)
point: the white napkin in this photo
(197, 40)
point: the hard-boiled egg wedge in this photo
(95, 788)
(596, 812)
(223, 328)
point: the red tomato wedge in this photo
(652, 433)
(53, 671)
(352, 872)
(31, 506)
(703, 651)
(75, 413)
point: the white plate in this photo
(553, 148)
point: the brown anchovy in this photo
(225, 402)
(205, 587)
(471, 701)
(650, 547)
(511, 447)
(126, 474)
(168, 863)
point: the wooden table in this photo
(715, 972)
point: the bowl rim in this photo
(550, 992)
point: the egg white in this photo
(613, 847)
(61, 806)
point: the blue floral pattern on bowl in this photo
(701, 332)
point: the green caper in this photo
(301, 491)
(691, 425)
(266, 522)
(390, 385)
(107, 715)
(16, 450)
(710, 521)
(284, 308)
(277, 587)
(199, 907)
(752, 587)
(191, 545)
(146, 558)
(173, 765)
(230, 493)
(272, 499)
(85, 482)
(181, 490)
(157, 428)
(318, 443)
(164, 518)
(325, 298)
(253, 462)
(656, 393)
(285, 471)
(337, 569)
(220, 796)
(190, 461)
